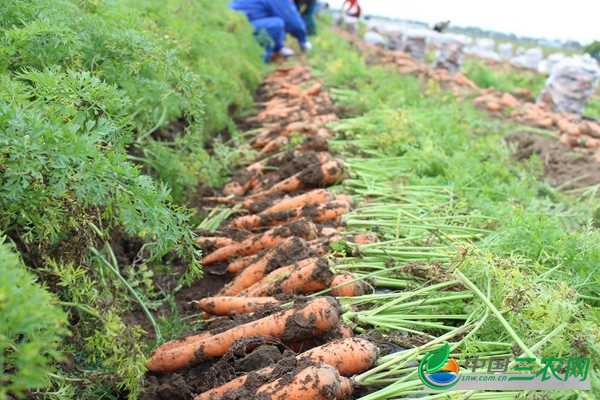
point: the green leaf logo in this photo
(438, 359)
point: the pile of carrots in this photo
(407, 65)
(274, 246)
(581, 135)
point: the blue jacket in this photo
(284, 9)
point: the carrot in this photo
(347, 356)
(347, 198)
(234, 188)
(313, 143)
(345, 331)
(329, 211)
(365, 238)
(309, 279)
(356, 288)
(322, 312)
(312, 176)
(328, 231)
(215, 241)
(324, 132)
(237, 265)
(228, 305)
(313, 90)
(317, 382)
(275, 145)
(180, 342)
(295, 127)
(312, 197)
(302, 228)
(346, 389)
(285, 252)
(278, 274)
(320, 247)
(322, 212)
(242, 181)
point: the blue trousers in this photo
(274, 27)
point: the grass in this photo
(438, 176)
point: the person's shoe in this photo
(286, 52)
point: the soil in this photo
(562, 168)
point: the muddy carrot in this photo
(347, 198)
(180, 342)
(346, 389)
(349, 288)
(312, 176)
(322, 212)
(318, 382)
(323, 312)
(217, 242)
(313, 90)
(314, 143)
(240, 184)
(312, 197)
(295, 127)
(309, 279)
(278, 274)
(281, 254)
(275, 145)
(236, 266)
(363, 354)
(228, 305)
(365, 238)
(301, 228)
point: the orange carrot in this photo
(302, 228)
(346, 389)
(217, 242)
(329, 211)
(365, 238)
(312, 176)
(347, 198)
(312, 197)
(313, 90)
(349, 288)
(317, 382)
(345, 331)
(314, 143)
(322, 212)
(362, 355)
(295, 127)
(328, 231)
(278, 274)
(228, 305)
(240, 184)
(309, 279)
(180, 342)
(275, 145)
(322, 312)
(236, 266)
(234, 188)
(285, 252)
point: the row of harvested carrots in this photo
(573, 131)
(288, 220)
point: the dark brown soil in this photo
(563, 167)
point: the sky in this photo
(565, 20)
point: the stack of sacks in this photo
(571, 84)
(416, 44)
(505, 51)
(450, 52)
(533, 57)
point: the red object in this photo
(353, 9)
